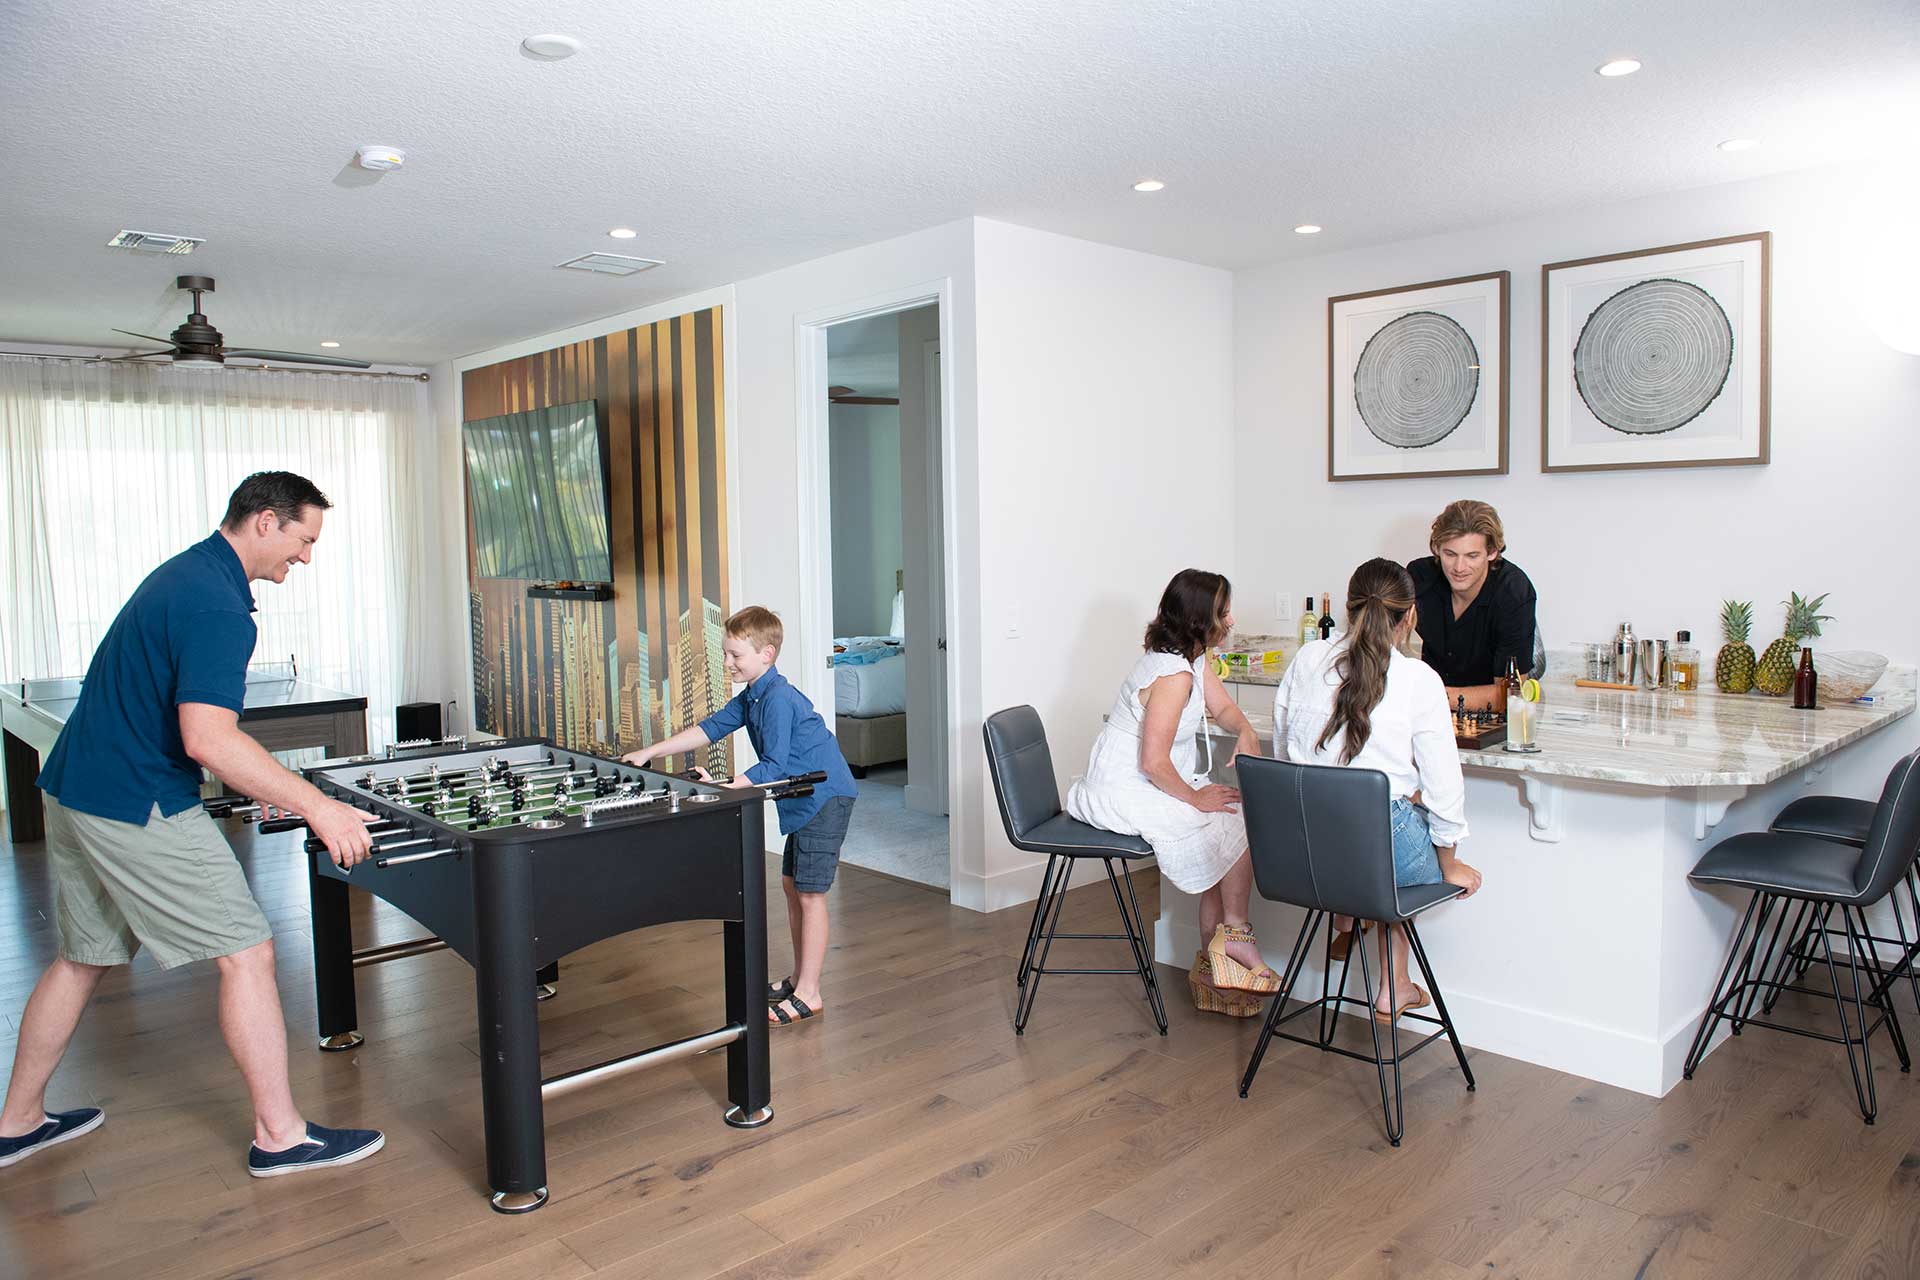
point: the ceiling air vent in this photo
(610, 264)
(155, 242)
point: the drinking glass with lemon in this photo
(1523, 714)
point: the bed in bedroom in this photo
(870, 700)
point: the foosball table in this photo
(515, 853)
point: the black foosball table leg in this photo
(749, 1076)
(546, 982)
(509, 1032)
(339, 1015)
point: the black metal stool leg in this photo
(1038, 970)
(1862, 1092)
(1710, 1017)
(1880, 989)
(1439, 1003)
(1137, 936)
(1393, 1111)
(1752, 991)
(1033, 929)
(1800, 938)
(1296, 961)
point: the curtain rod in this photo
(268, 368)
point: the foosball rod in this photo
(380, 851)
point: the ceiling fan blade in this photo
(832, 392)
(299, 357)
(149, 337)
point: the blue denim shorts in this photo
(1414, 858)
(813, 852)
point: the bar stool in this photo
(1321, 838)
(1023, 782)
(1818, 875)
(1848, 821)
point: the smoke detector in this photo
(155, 242)
(379, 159)
(609, 264)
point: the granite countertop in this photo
(1659, 739)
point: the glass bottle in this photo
(1326, 620)
(1309, 628)
(1684, 663)
(1806, 682)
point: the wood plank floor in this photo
(916, 1136)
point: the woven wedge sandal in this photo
(1229, 973)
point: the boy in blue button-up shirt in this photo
(790, 738)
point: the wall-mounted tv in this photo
(537, 490)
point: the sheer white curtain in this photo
(108, 469)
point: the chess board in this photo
(1478, 730)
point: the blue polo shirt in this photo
(185, 635)
(790, 738)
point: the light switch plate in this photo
(1284, 609)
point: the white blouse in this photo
(1411, 740)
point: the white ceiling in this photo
(741, 137)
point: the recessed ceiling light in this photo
(623, 233)
(1740, 144)
(551, 47)
(1307, 229)
(329, 344)
(1619, 67)
(1149, 184)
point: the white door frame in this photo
(815, 552)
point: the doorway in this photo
(881, 498)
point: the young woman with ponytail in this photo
(1359, 701)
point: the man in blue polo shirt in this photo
(137, 862)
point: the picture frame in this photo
(1658, 358)
(1417, 379)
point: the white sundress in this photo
(1194, 849)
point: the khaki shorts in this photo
(172, 886)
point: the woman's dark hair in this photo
(281, 492)
(1191, 610)
(1378, 597)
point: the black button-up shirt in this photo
(1496, 628)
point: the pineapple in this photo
(1774, 673)
(1733, 666)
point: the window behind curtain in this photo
(111, 469)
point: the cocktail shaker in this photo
(1654, 670)
(1626, 655)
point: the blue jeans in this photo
(1414, 858)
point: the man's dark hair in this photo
(281, 492)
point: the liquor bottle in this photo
(1683, 661)
(1806, 683)
(1326, 620)
(1309, 627)
(1510, 687)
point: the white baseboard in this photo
(1015, 886)
(1640, 1063)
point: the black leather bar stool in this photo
(1846, 820)
(1023, 782)
(1789, 869)
(1322, 838)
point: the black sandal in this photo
(799, 1005)
(778, 991)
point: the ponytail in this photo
(1378, 597)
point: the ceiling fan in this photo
(197, 342)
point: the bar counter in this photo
(1587, 949)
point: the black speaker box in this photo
(413, 720)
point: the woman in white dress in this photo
(1144, 779)
(1359, 701)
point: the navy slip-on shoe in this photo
(324, 1149)
(59, 1127)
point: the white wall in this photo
(1106, 463)
(929, 742)
(1835, 511)
(865, 471)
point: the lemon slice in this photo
(1530, 691)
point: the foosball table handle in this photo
(273, 826)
